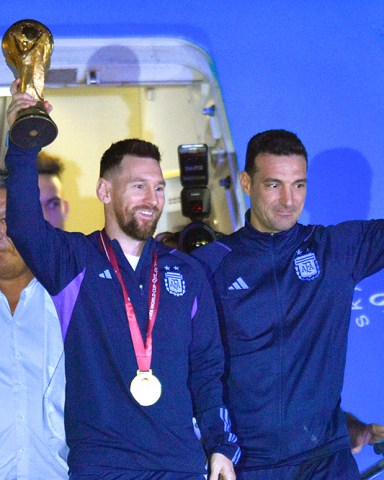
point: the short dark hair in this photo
(131, 146)
(276, 142)
(49, 165)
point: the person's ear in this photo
(65, 208)
(103, 191)
(245, 182)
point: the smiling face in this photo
(134, 197)
(277, 191)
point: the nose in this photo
(286, 196)
(151, 197)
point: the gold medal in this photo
(145, 388)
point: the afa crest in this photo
(174, 283)
(307, 266)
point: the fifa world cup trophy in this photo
(27, 47)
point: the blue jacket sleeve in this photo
(45, 249)
(207, 363)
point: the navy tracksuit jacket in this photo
(284, 303)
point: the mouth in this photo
(4, 245)
(285, 213)
(146, 214)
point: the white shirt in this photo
(133, 260)
(32, 388)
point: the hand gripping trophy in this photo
(27, 46)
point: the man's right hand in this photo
(21, 101)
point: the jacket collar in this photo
(278, 240)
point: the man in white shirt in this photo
(32, 380)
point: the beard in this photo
(132, 227)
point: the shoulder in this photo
(213, 254)
(175, 255)
(345, 229)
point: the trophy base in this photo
(33, 129)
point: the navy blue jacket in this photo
(107, 430)
(284, 304)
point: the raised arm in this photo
(46, 250)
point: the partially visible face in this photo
(11, 263)
(277, 191)
(137, 196)
(55, 209)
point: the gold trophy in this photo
(27, 47)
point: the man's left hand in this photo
(221, 468)
(363, 434)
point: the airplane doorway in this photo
(159, 89)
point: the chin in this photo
(288, 226)
(283, 226)
(145, 233)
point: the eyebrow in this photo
(50, 199)
(146, 180)
(278, 180)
